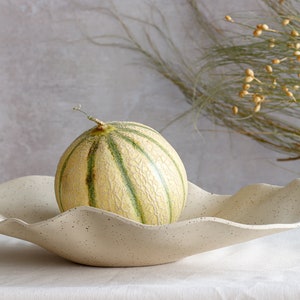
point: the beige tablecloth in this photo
(266, 268)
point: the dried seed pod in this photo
(229, 19)
(243, 93)
(289, 94)
(249, 72)
(257, 107)
(285, 22)
(249, 79)
(257, 32)
(297, 53)
(246, 86)
(235, 110)
(276, 61)
(269, 69)
(257, 98)
(294, 33)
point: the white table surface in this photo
(266, 268)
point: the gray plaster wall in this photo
(47, 66)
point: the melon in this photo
(126, 168)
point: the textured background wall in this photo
(47, 66)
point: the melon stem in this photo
(101, 125)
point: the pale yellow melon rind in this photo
(136, 174)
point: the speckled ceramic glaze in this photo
(90, 236)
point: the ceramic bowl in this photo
(91, 236)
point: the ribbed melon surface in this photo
(128, 169)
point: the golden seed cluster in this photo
(260, 28)
(274, 75)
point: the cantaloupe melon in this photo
(126, 168)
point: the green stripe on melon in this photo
(126, 168)
(182, 176)
(90, 178)
(154, 168)
(126, 179)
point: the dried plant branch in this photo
(271, 117)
